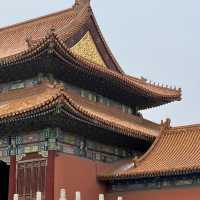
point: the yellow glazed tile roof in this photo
(175, 151)
(23, 101)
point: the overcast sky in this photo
(156, 39)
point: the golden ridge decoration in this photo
(87, 49)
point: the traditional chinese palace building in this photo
(71, 118)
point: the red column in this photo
(12, 177)
(49, 188)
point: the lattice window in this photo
(31, 176)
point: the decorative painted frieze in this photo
(62, 141)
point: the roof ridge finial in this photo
(29, 41)
(59, 86)
(80, 3)
(52, 30)
(165, 125)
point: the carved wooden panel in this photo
(31, 176)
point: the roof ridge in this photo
(161, 85)
(36, 19)
(165, 126)
(81, 13)
(158, 85)
(79, 3)
(187, 126)
(105, 44)
(149, 151)
(181, 129)
(121, 75)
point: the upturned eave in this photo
(53, 46)
(55, 99)
(174, 153)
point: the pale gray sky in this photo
(155, 39)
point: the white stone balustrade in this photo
(101, 196)
(38, 196)
(119, 198)
(78, 195)
(15, 197)
(63, 194)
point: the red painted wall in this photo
(164, 194)
(78, 174)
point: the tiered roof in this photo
(56, 35)
(175, 152)
(69, 45)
